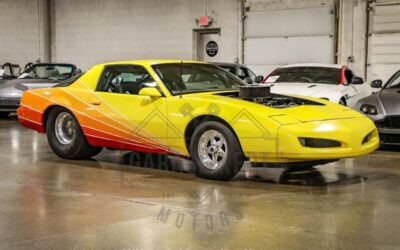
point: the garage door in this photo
(279, 37)
(384, 41)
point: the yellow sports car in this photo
(196, 110)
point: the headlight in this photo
(369, 109)
(324, 98)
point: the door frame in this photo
(197, 40)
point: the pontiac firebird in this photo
(193, 110)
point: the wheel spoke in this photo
(65, 128)
(214, 158)
(212, 149)
(221, 153)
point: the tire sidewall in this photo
(68, 151)
(234, 160)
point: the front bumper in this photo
(9, 104)
(357, 136)
(389, 136)
(389, 130)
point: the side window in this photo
(243, 73)
(124, 79)
(348, 76)
(394, 82)
(251, 74)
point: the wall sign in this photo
(212, 48)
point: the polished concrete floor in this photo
(118, 201)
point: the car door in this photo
(139, 119)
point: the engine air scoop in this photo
(254, 91)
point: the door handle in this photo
(95, 102)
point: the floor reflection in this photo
(313, 176)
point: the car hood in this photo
(390, 99)
(300, 113)
(307, 89)
(387, 102)
(8, 86)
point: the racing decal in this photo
(98, 126)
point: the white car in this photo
(332, 82)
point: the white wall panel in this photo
(313, 49)
(93, 31)
(280, 37)
(266, 51)
(19, 39)
(384, 42)
(292, 22)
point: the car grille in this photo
(389, 122)
(9, 102)
(390, 138)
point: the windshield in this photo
(193, 77)
(394, 82)
(230, 69)
(9, 70)
(48, 71)
(322, 75)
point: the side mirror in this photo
(248, 80)
(376, 84)
(258, 79)
(357, 80)
(149, 91)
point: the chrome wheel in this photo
(65, 128)
(212, 149)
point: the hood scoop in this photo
(312, 86)
(254, 91)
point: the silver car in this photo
(40, 75)
(241, 71)
(383, 107)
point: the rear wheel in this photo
(4, 114)
(65, 136)
(216, 151)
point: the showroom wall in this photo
(92, 31)
(281, 32)
(352, 31)
(23, 31)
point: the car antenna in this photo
(179, 86)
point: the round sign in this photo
(212, 48)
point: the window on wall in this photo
(124, 79)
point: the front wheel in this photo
(216, 151)
(65, 136)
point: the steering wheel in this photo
(115, 87)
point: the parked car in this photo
(332, 82)
(9, 71)
(383, 108)
(40, 75)
(241, 71)
(192, 109)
